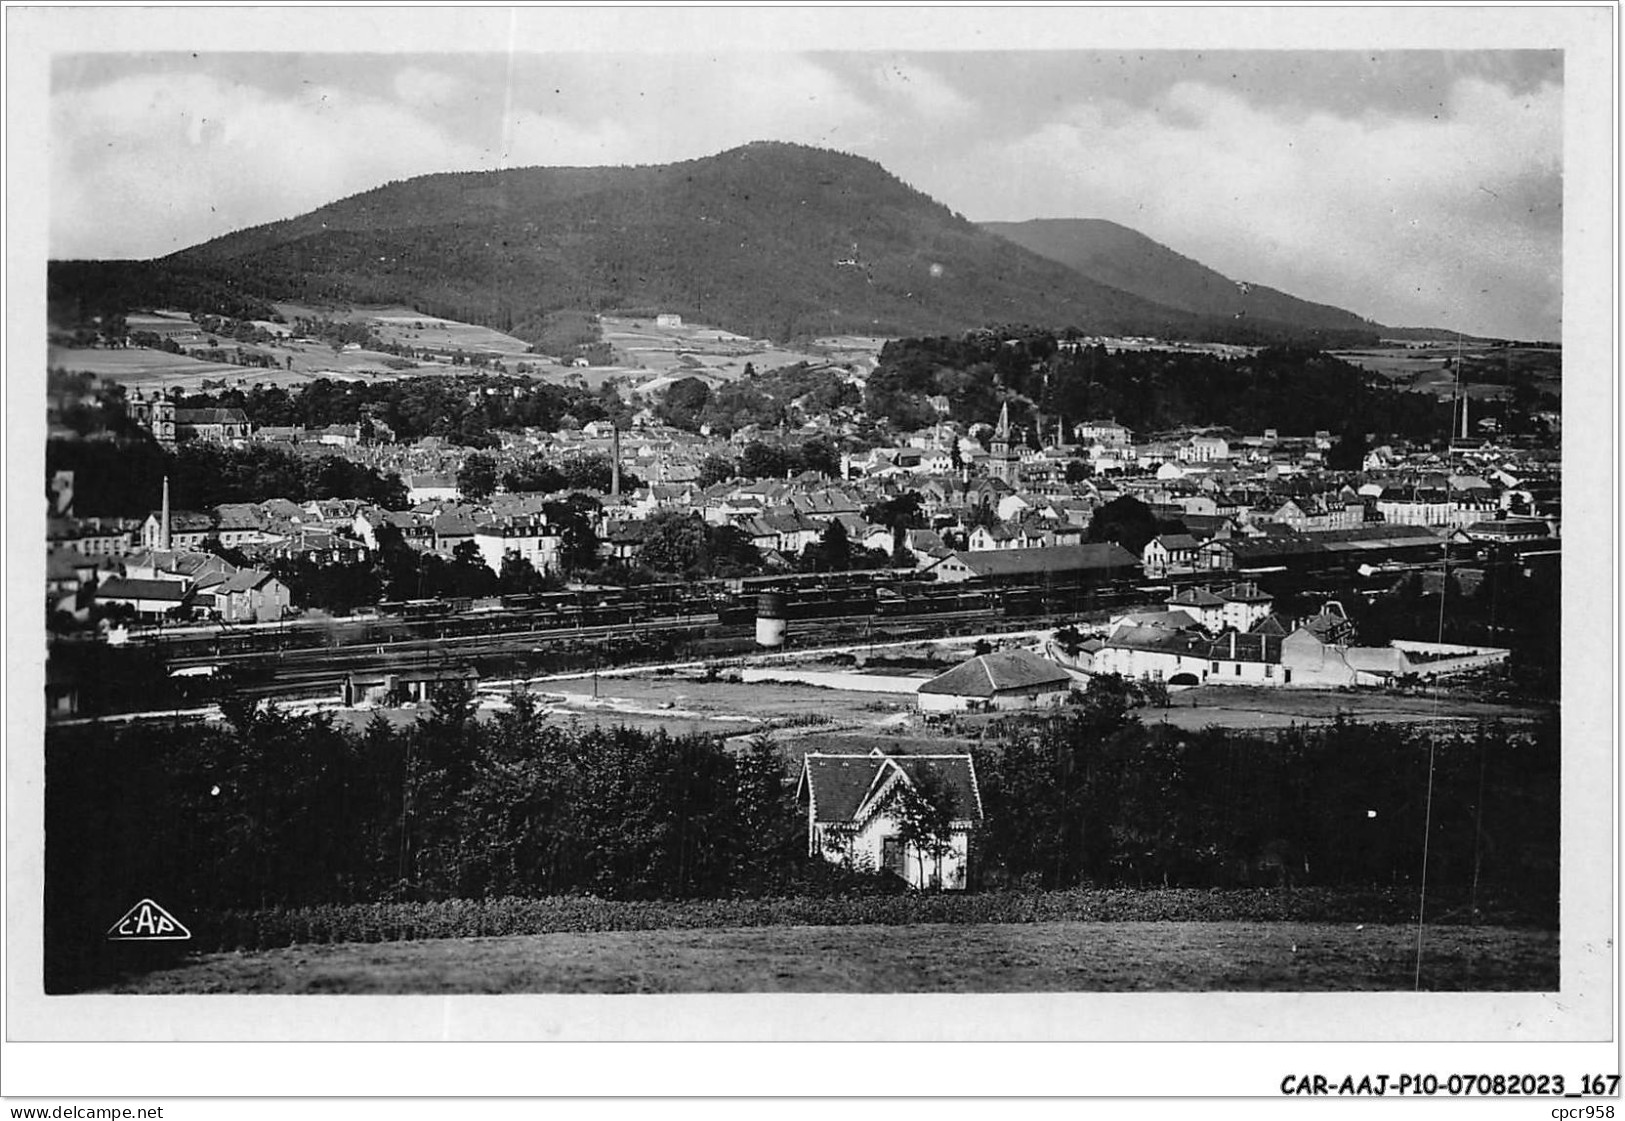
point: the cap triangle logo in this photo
(148, 922)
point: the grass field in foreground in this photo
(925, 958)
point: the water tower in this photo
(771, 621)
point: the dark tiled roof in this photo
(237, 515)
(990, 674)
(840, 785)
(953, 774)
(186, 521)
(210, 416)
(72, 529)
(120, 588)
(1055, 559)
(1159, 640)
(1169, 620)
(245, 580)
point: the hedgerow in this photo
(272, 928)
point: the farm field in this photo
(138, 368)
(410, 328)
(174, 324)
(717, 356)
(922, 958)
(648, 355)
(1401, 365)
(1425, 369)
(146, 370)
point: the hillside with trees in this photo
(1127, 259)
(770, 240)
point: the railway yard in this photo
(662, 644)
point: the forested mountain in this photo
(1123, 258)
(770, 240)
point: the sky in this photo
(1416, 188)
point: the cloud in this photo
(1410, 215)
(416, 85)
(152, 163)
(919, 92)
(149, 164)
(1401, 218)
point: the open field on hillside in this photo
(146, 370)
(140, 368)
(662, 354)
(1401, 365)
(1422, 370)
(404, 326)
(925, 958)
(649, 357)
(171, 324)
(1488, 370)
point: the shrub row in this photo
(270, 928)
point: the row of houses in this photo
(276, 527)
(1232, 637)
(155, 585)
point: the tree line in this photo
(462, 409)
(274, 808)
(1101, 796)
(277, 809)
(124, 478)
(1294, 390)
(768, 400)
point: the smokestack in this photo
(614, 463)
(1464, 430)
(163, 518)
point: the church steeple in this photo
(1001, 464)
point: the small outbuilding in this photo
(858, 809)
(1009, 679)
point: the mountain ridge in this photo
(1125, 258)
(768, 239)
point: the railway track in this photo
(307, 673)
(470, 644)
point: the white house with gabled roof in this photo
(854, 813)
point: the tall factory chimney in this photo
(163, 518)
(615, 463)
(1465, 431)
